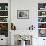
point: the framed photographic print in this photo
(42, 32)
(22, 14)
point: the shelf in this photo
(42, 16)
(41, 10)
(41, 28)
(3, 16)
(3, 22)
(3, 10)
(41, 22)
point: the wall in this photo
(32, 6)
(23, 24)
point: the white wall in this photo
(23, 24)
(32, 6)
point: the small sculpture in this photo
(13, 27)
(31, 27)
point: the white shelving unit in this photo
(4, 23)
(42, 18)
(4, 19)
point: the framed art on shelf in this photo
(42, 32)
(22, 14)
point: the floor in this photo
(3, 45)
